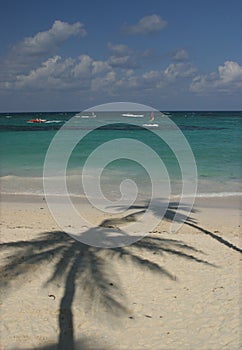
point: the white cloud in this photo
(83, 67)
(86, 67)
(121, 57)
(180, 55)
(116, 74)
(127, 84)
(179, 70)
(48, 41)
(119, 50)
(60, 73)
(99, 67)
(152, 75)
(230, 72)
(45, 74)
(30, 52)
(155, 79)
(94, 75)
(146, 25)
(126, 62)
(30, 70)
(227, 78)
(104, 83)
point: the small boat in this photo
(85, 116)
(37, 120)
(131, 115)
(151, 125)
(152, 119)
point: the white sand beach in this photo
(167, 291)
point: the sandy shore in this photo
(166, 291)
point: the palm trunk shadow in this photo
(66, 329)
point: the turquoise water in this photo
(214, 137)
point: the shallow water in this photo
(214, 138)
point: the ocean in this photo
(214, 138)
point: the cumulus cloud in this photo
(83, 67)
(153, 76)
(121, 57)
(146, 25)
(230, 72)
(125, 62)
(30, 52)
(180, 55)
(104, 83)
(34, 66)
(179, 70)
(154, 79)
(60, 73)
(99, 67)
(172, 74)
(45, 74)
(86, 73)
(119, 50)
(227, 78)
(47, 41)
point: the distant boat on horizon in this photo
(131, 115)
(37, 120)
(152, 124)
(86, 116)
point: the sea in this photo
(213, 138)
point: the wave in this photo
(212, 195)
(198, 195)
(54, 121)
(33, 185)
(39, 194)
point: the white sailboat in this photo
(152, 124)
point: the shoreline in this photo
(231, 201)
(209, 212)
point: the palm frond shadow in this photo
(76, 264)
(172, 214)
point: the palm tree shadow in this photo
(76, 264)
(172, 214)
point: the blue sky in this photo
(71, 55)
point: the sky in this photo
(58, 55)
